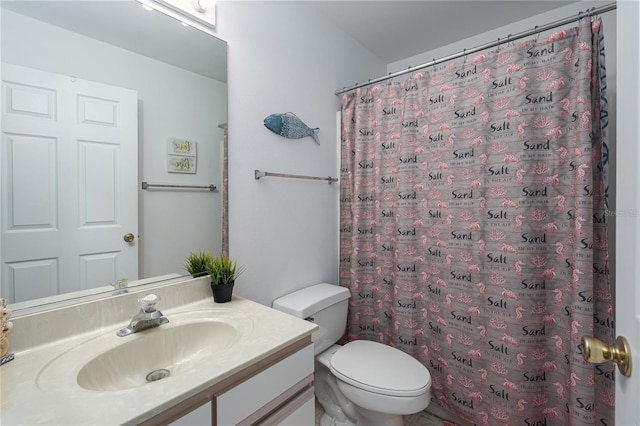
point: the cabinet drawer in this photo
(250, 396)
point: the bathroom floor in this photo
(419, 419)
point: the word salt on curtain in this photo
(473, 229)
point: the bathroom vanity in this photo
(211, 364)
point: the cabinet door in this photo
(263, 392)
(297, 412)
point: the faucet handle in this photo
(148, 302)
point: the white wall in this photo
(172, 103)
(282, 58)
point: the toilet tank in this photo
(323, 304)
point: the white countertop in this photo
(30, 397)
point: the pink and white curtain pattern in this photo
(473, 229)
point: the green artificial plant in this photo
(198, 264)
(223, 270)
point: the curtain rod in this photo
(509, 38)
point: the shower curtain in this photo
(473, 233)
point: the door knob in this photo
(595, 351)
(128, 237)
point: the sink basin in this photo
(170, 350)
(110, 363)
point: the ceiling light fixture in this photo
(199, 14)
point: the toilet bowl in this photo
(363, 382)
(382, 383)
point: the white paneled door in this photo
(69, 183)
(627, 214)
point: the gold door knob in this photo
(128, 237)
(595, 351)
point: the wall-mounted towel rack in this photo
(146, 185)
(259, 174)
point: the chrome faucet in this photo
(148, 316)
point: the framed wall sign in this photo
(181, 156)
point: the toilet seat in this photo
(362, 363)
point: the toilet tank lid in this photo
(309, 300)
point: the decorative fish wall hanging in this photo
(290, 126)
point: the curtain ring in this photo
(537, 35)
(594, 16)
(368, 85)
(498, 45)
(464, 62)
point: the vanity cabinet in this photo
(263, 377)
(275, 391)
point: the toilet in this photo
(363, 382)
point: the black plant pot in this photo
(222, 292)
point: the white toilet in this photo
(363, 382)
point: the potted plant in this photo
(197, 264)
(223, 272)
